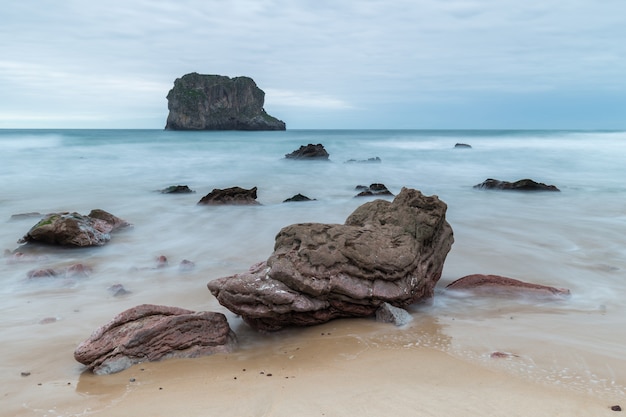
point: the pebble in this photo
(616, 408)
(25, 374)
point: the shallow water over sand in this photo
(572, 239)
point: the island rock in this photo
(151, 333)
(384, 252)
(217, 102)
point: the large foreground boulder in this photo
(151, 333)
(74, 229)
(217, 102)
(385, 252)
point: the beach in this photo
(328, 370)
(460, 355)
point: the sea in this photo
(574, 239)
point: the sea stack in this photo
(217, 102)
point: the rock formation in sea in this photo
(309, 152)
(230, 196)
(519, 185)
(384, 252)
(497, 285)
(151, 333)
(74, 229)
(373, 190)
(217, 102)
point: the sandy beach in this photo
(326, 370)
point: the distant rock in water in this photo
(463, 146)
(372, 190)
(520, 185)
(177, 189)
(217, 102)
(233, 195)
(297, 197)
(309, 151)
(374, 160)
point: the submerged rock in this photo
(496, 285)
(520, 185)
(74, 229)
(310, 151)
(385, 252)
(374, 160)
(462, 146)
(217, 102)
(233, 195)
(152, 333)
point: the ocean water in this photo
(574, 239)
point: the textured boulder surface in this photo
(519, 185)
(310, 151)
(74, 229)
(233, 195)
(481, 284)
(385, 252)
(217, 102)
(151, 333)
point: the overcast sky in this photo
(322, 64)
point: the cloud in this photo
(306, 99)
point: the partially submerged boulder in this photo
(519, 185)
(375, 189)
(497, 285)
(177, 189)
(233, 195)
(385, 252)
(148, 333)
(74, 229)
(298, 197)
(310, 151)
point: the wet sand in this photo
(328, 370)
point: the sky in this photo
(340, 64)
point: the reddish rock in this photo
(502, 286)
(385, 252)
(151, 333)
(72, 271)
(233, 195)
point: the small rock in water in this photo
(48, 320)
(186, 265)
(25, 374)
(161, 261)
(390, 314)
(616, 408)
(118, 290)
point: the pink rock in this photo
(151, 333)
(498, 285)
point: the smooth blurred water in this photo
(573, 239)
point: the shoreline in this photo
(326, 370)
